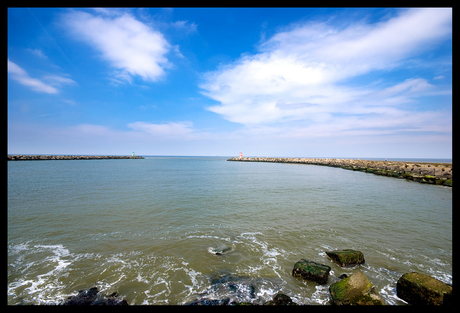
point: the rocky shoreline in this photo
(20, 157)
(355, 290)
(430, 173)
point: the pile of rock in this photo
(21, 157)
(430, 173)
(414, 288)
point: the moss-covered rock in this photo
(346, 257)
(280, 299)
(355, 290)
(312, 271)
(448, 182)
(420, 289)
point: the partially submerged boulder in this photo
(312, 271)
(209, 302)
(346, 257)
(355, 290)
(280, 299)
(91, 297)
(420, 289)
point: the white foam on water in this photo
(321, 295)
(44, 288)
(388, 294)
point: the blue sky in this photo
(306, 82)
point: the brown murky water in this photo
(150, 228)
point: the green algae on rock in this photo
(346, 257)
(311, 271)
(420, 289)
(355, 290)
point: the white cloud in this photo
(58, 81)
(128, 45)
(20, 75)
(300, 74)
(177, 130)
(185, 26)
(38, 53)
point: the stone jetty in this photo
(20, 157)
(430, 173)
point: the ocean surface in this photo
(150, 229)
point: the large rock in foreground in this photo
(91, 297)
(312, 271)
(355, 290)
(280, 299)
(346, 257)
(420, 289)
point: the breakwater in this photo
(20, 157)
(430, 173)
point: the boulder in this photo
(355, 290)
(91, 297)
(280, 299)
(420, 289)
(311, 271)
(346, 257)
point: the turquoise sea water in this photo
(148, 229)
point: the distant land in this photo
(26, 157)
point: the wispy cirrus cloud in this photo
(48, 84)
(131, 47)
(303, 80)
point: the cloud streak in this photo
(131, 47)
(18, 74)
(301, 81)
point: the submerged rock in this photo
(355, 290)
(311, 271)
(420, 289)
(346, 257)
(205, 301)
(237, 289)
(280, 299)
(220, 250)
(91, 296)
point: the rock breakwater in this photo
(20, 157)
(430, 173)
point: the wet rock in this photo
(220, 250)
(243, 303)
(355, 290)
(311, 271)
(420, 289)
(91, 296)
(280, 299)
(205, 301)
(343, 276)
(346, 257)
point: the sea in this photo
(170, 230)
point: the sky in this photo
(275, 82)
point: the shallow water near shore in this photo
(150, 229)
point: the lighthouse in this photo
(241, 154)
